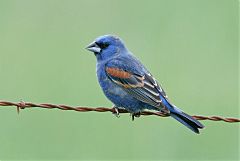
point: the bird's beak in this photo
(93, 47)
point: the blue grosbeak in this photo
(129, 85)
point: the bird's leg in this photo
(137, 114)
(116, 112)
(164, 110)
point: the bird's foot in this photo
(137, 114)
(165, 111)
(116, 112)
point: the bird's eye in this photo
(103, 45)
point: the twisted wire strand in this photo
(23, 105)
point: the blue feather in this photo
(135, 89)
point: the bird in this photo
(128, 84)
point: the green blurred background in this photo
(190, 46)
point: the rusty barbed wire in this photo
(23, 105)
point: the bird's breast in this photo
(109, 88)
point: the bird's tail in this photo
(185, 119)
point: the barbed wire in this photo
(24, 105)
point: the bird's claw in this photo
(137, 114)
(165, 111)
(116, 112)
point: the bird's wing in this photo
(134, 79)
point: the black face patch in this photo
(102, 45)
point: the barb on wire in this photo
(23, 105)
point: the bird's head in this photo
(106, 47)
